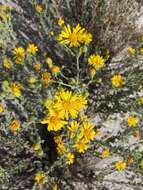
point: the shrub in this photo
(60, 84)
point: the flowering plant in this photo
(61, 89)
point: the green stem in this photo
(64, 84)
(78, 71)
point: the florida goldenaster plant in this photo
(60, 85)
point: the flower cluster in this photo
(66, 112)
(49, 98)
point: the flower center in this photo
(67, 105)
(73, 38)
(54, 120)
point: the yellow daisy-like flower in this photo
(52, 33)
(32, 80)
(61, 22)
(46, 78)
(105, 153)
(92, 72)
(39, 8)
(81, 146)
(37, 67)
(55, 69)
(32, 49)
(61, 149)
(1, 108)
(117, 81)
(96, 61)
(70, 158)
(7, 63)
(14, 125)
(36, 146)
(15, 89)
(132, 121)
(19, 55)
(40, 178)
(54, 187)
(55, 123)
(87, 132)
(75, 36)
(69, 104)
(3, 7)
(49, 62)
(131, 51)
(120, 165)
(73, 128)
(58, 139)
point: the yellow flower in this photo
(49, 62)
(69, 104)
(3, 7)
(131, 51)
(1, 108)
(92, 72)
(74, 126)
(52, 33)
(120, 165)
(132, 121)
(61, 22)
(55, 69)
(7, 63)
(74, 36)
(81, 146)
(141, 51)
(36, 146)
(7, 16)
(46, 78)
(87, 132)
(37, 67)
(58, 139)
(117, 81)
(19, 55)
(140, 100)
(39, 8)
(105, 153)
(15, 89)
(61, 149)
(55, 123)
(14, 125)
(40, 178)
(32, 49)
(32, 80)
(54, 187)
(96, 61)
(70, 158)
